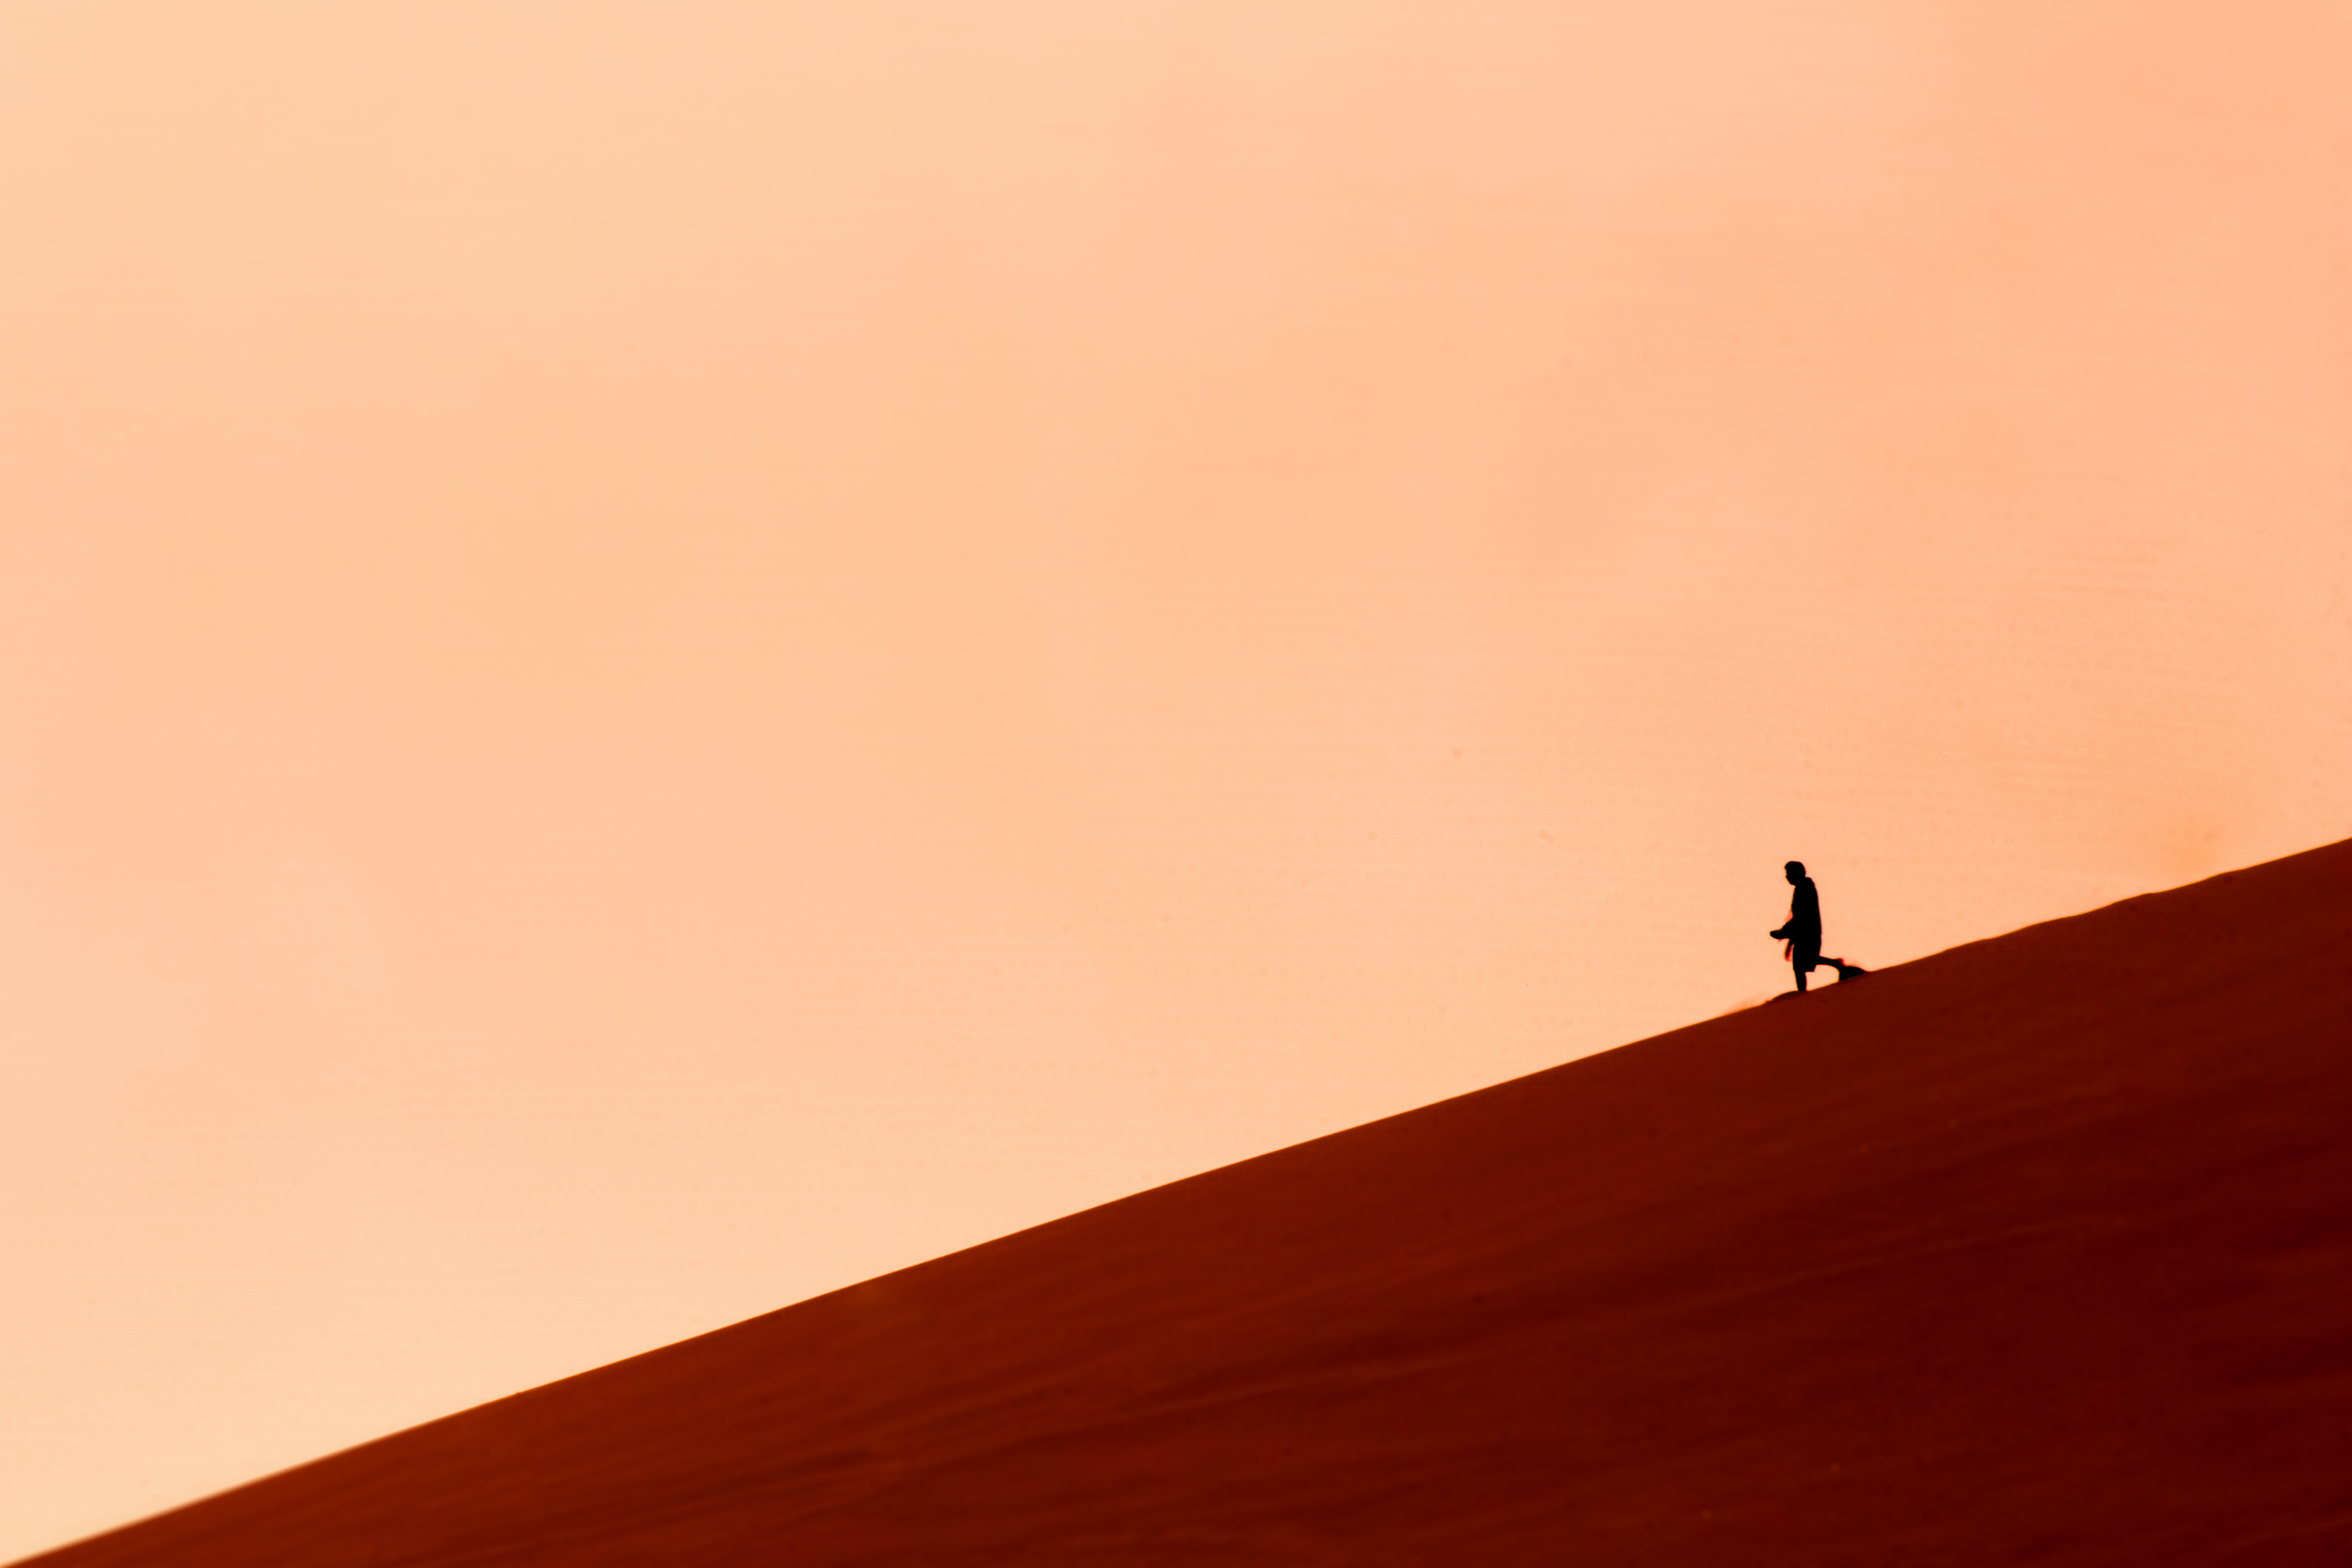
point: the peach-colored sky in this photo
(657, 656)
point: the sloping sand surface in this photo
(2035, 1251)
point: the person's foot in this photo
(1849, 971)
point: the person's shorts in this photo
(1805, 958)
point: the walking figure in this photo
(1803, 932)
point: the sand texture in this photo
(2038, 1250)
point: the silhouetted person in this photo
(1803, 931)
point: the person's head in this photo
(1796, 869)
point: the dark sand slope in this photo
(2035, 1251)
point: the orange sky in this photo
(658, 656)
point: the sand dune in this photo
(2038, 1250)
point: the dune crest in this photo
(2034, 1250)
